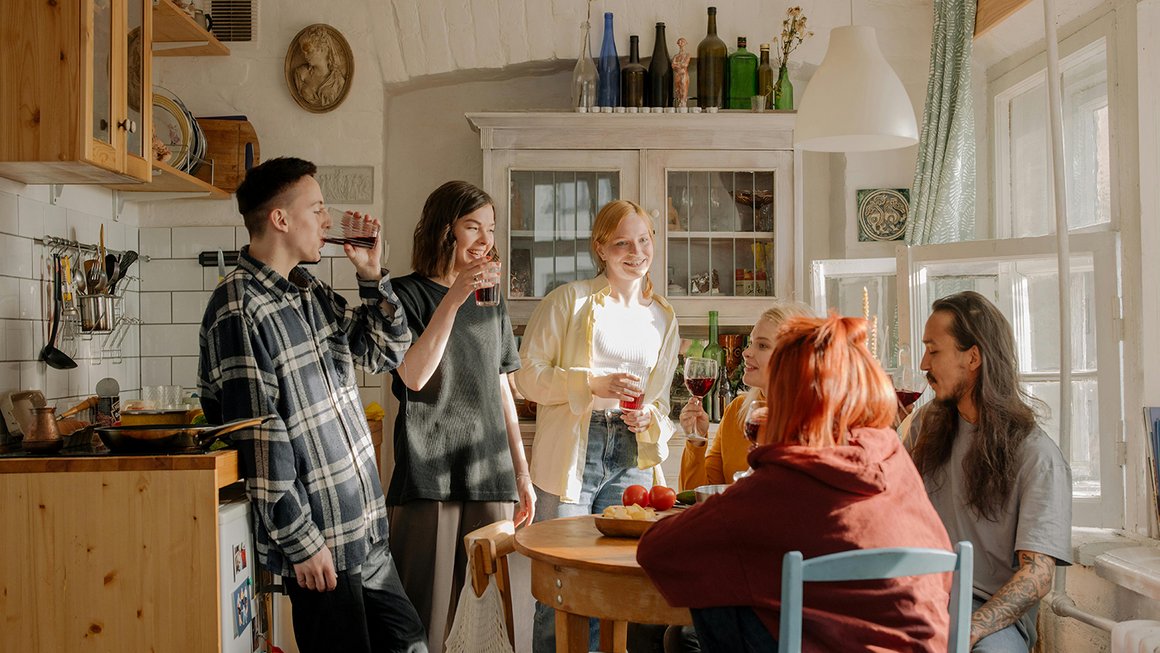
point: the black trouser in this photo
(355, 619)
(732, 630)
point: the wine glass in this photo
(700, 373)
(909, 384)
(755, 415)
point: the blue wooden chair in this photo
(870, 564)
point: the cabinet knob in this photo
(128, 125)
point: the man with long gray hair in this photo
(993, 475)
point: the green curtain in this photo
(942, 198)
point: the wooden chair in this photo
(487, 551)
(869, 564)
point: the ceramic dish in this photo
(171, 126)
(622, 527)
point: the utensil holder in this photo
(99, 313)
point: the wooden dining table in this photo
(584, 574)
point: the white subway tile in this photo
(9, 213)
(189, 307)
(188, 242)
(155, 242)
(33, 375)
(9, 377)
(169, 340)
(21, 339)
(83, 380)
(31, 218)
(57, 384)
(35, 299)
(83, 227)
(52, 223)
(15, 256)
(156, 308)
(241, 237)
(10, 297)
(156, 371)
(175, 274)
(185, 371)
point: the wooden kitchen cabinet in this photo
(76, 91)
(720, 187)
(111, 554)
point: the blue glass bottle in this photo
(608, 67)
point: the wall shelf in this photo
(170, 183)
(178, 35)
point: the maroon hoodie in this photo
(866, 494)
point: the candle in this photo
(865, 304)
(874, 336)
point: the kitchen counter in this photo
(111, 553)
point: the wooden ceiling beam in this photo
(989, 13)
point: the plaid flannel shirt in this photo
(287, 347)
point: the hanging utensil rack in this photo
(57, 244)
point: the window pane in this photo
(1087, 162)
(1039, 314)
(1085, 436)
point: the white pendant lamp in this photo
(854, 102)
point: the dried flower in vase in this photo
(794, 30)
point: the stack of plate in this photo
(175, 126)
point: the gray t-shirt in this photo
(1036, 516)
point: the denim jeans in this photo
(1012, 639)
(609, 467)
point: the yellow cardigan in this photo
(555, 358)
(728, 454)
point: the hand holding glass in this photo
(641, 373)
(358, 231)
(488, 295)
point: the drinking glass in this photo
(700, 373)
(909, 384)
(641, 372)
(755, 416)
(353, 231)
(489, 295)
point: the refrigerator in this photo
(237, 576)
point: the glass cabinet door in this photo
(102, 62)
(140, 89)
(545, 211)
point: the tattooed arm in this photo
(1030, 583)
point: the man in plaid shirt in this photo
(275, 340)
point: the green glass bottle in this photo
(765, 77)
(783, 91)
(742, 76)
(714, 350)
(712, 58)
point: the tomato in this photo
(661, 497)
(637, 494)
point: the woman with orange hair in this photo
(829, 475)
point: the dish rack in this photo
(94, 318)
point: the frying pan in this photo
(167, 438)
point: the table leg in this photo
(571, 633)
(613, 636)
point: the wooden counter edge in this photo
(224, 463)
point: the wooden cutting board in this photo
(230, 145)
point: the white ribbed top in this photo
(625, 335)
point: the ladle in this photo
(50, 354)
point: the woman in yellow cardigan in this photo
(730, 450)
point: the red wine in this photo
(487, 296)
(907, 397)
(751, 429)
(699, 386)
(363, 241)
(635, 404)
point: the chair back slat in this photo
(487, 551)
(874, 564)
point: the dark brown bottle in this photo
(712, 56)
(659, 83)
(632, 76)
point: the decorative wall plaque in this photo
(319, 68)
(347, 184)
(882, 214)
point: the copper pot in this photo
(44, 435)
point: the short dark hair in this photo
(265, 183)
(434, 244)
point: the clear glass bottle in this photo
(584, 75)
(742, 76)
(632, 76)
(659, 87)
(765, 77)
(711, 66)
(608, 68)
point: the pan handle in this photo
(209, 435)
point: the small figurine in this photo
(681, 75)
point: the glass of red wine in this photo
(351, 230)
(641, 372)
(909, 384)
(700, 373)
(754, 418)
